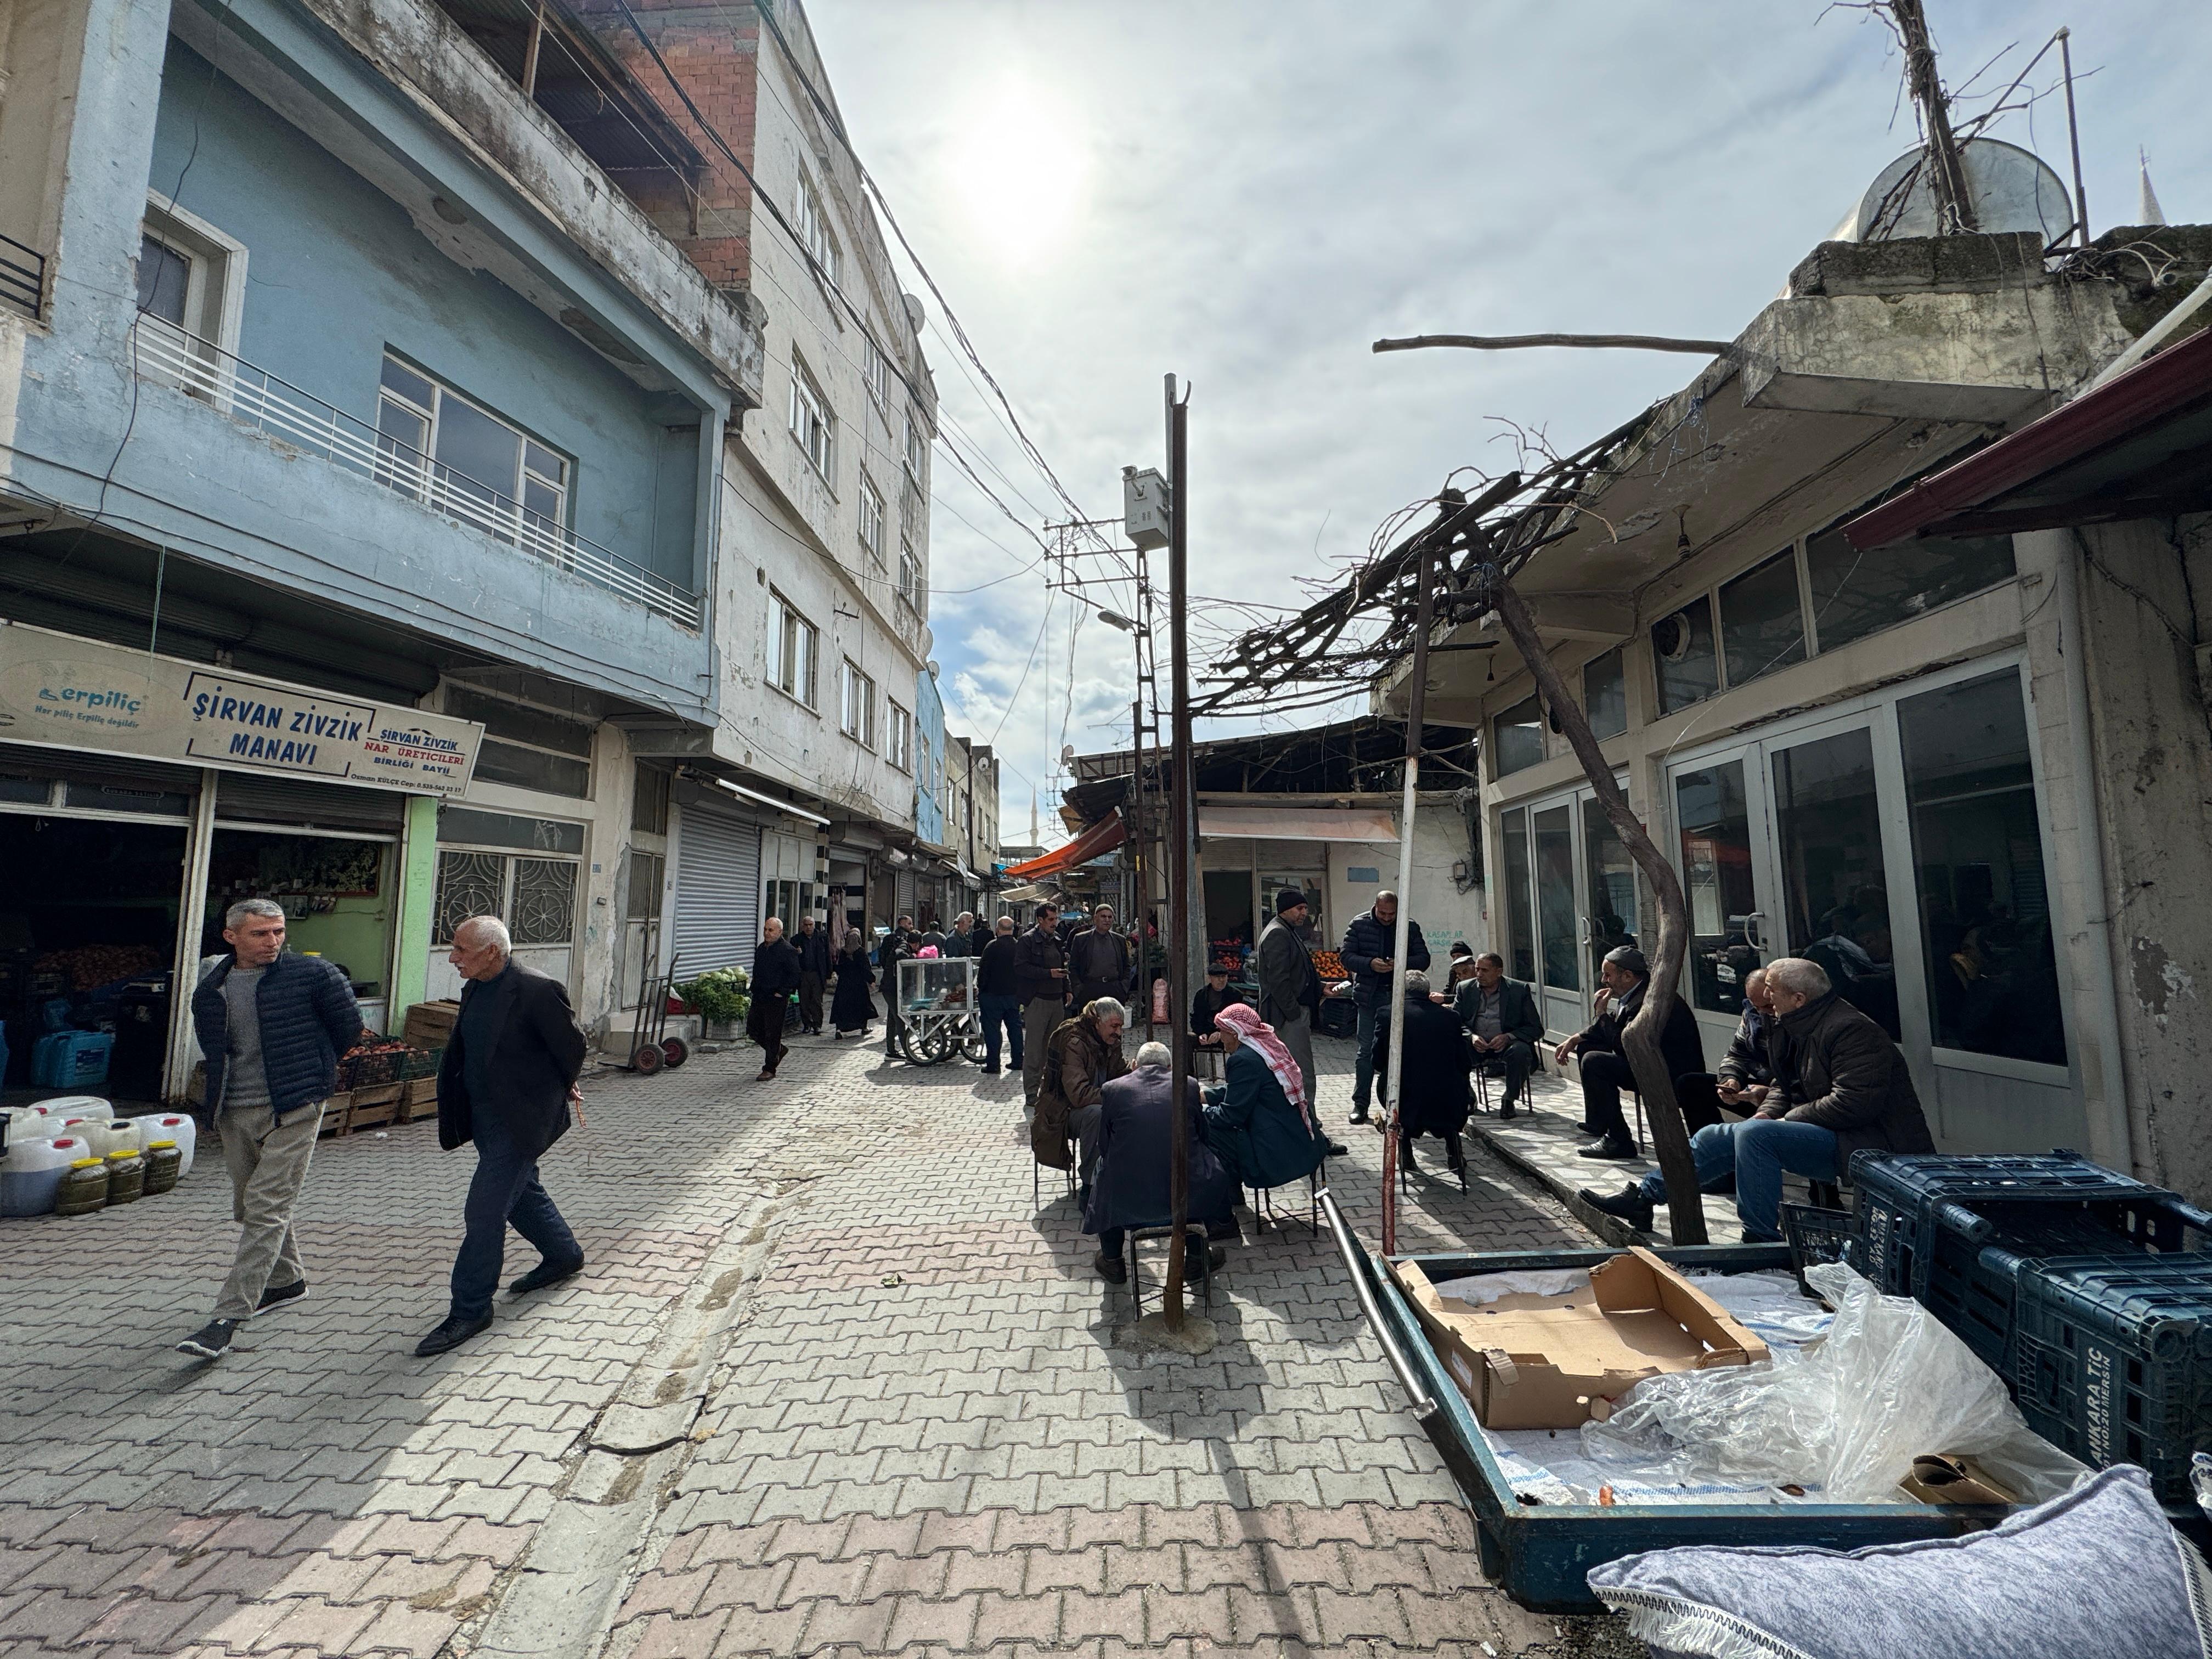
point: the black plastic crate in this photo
(367, 1071)
(1975, 1291)
(2114, 1361)
(419, 1063)
(1916, 1207)
(1817, 1235)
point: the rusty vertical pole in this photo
(1179, 859)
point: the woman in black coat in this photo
(1433, 1098)
(852, 1009)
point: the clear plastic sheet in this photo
(1847, 1414)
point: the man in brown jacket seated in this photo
(1841, 1085)
(1083, 1055)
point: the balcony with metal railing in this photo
(22, 277)
(275, 407)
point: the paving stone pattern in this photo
(919, 1437)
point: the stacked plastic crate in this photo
(2089, 1291)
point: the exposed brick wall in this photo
(715, 52)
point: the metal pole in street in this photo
(1179, 859)
(1416, 713)
(1139, 855)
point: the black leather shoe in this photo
(1111, 1268)
(1508, 1112)
(450, 1334)
(1337, 1149)
(1611, 1149)
(1627, 1205)
(544, 1273)
(1359, 1115)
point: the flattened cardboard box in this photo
(1552, 1362)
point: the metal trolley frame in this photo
(938, 1012)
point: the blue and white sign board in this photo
(67, 692)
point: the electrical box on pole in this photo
(1144, 508)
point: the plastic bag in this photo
(1847, 1414)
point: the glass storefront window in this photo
(1682, 647)
(1555, 896)
(1518, 737)
(1977, 856)
(1855, 594)
(1835, 894)
(1762, 625)
(1521, 940)
(1605, 695)
(1714, 813)
(1610, 875)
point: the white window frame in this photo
(871, 520)
(856, 705)
(813, 224)
(419, 473)
(910, 580)
(878, 376)
(917, 448)
(794, 651)
(813, 423)
(900, 751)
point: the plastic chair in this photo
(1205, 1273)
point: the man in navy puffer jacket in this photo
(1368, 943)
(272, 1027)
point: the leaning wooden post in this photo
(1416, 715)
(1670, 1135)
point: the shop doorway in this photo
(89, 944)
(338, 895)
(1571, 896)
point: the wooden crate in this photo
(419, 1099)
(430, 1025)
(367, 1107)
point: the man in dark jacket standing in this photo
(963, 941)
(1842, 1087)
(507, 1083)
(1289, 989)
(272, 1027)
(1605, 1069)
(1368, 945)
(1098, 959)
(1041, 980)
(778, 971)
(813, 947)
(898, 946)
(1433, 1098)
(998, 997)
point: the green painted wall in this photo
(418, 892)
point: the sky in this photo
(1247, 193)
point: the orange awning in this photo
(1102, 837)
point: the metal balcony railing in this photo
(22, 277)
(261, 400)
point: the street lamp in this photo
(1115, 619)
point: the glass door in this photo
(1720, 818)
(1558, 939)
(1569, 895)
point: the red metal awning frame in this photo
(2161, 386)
(1102, 837)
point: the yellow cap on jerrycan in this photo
(164, 1161)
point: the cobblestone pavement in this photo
(830, 1384)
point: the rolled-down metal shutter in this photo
(717, 891)
(244, 797)
(903, 887)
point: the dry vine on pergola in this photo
(1466, 558)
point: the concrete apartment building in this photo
(400, 374)
(1961, 759)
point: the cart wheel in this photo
(930, 1048)
(648, 1058)
(674, 1051)
(973, 1049)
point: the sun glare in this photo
(1020, 172)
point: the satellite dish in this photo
(2011, 190)
(1066, 753)
(932, 668)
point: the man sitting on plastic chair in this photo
(1840, 1085)
(1130, 1188)
(1259, 1119)
(1501, 1018)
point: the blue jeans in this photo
(504, 1189)
(1007, 1012)
(1363, 1068)
(1758, 1149)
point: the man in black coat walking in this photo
(507, 1082)
(813, 947)
(1605, 1069)
(777, 972)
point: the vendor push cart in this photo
(937, 1009)
(1541, 1555)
